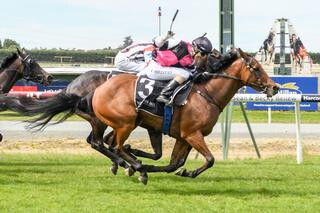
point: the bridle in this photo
(27, 71)
(249, 65)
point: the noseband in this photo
(256, 73)
(27, 68)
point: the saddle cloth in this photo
(147, 90)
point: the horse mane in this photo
(7, 61)
(215, 66)
(223, 63)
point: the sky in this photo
(96, 24)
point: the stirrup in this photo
(163, 99)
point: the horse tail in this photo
(45, 109)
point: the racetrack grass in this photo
(83, 183)
(237, 116)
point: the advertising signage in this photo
(289, 85)
(25, 86)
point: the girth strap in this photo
(208, 98)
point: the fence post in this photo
(250, 130)
(227, 131)
(298, 133)
(269, 116)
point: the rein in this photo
(225, 75)
(256, 73)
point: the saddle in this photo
(147, 90)
(119, 72)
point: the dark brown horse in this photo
(76, 99)
(113, 103)
(17, 66)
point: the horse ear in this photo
(19, 52)
(243, 55)
(24, 52)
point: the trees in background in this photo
(126, 42)
(10, 44)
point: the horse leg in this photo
(95, 139)
(156, 143)
(179, 155)
(270, 58)
(1, 137)
(97, 144)
(121, 135)
(265, 56)
(109, 139)
(196, 140)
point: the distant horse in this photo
(113, 103)
(20, 66)
(268, 47)
(299, 57)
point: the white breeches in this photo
(158, 72)
(122, 62)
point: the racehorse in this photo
(299, 57)
(17, 66)
(69, 101)
(113, 103)
(76, 99)
(268, 47)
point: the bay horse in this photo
(113, 103)
(20, 66)
(76, 99)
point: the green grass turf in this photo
(83, 183)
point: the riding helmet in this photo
(203, 44)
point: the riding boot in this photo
(167, 91)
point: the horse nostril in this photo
(275, 89)
(49, 78)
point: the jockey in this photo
(134, 57)
(174, 60)
(164, 59)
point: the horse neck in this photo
(8, 77)
(223, 89)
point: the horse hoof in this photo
(114, 169)
(143, 179)
(182, 172)
(129, 171)
(127, 147)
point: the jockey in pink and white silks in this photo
(175, 62)
(134, 57)
(167, 59)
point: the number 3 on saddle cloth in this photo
(146, 92)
